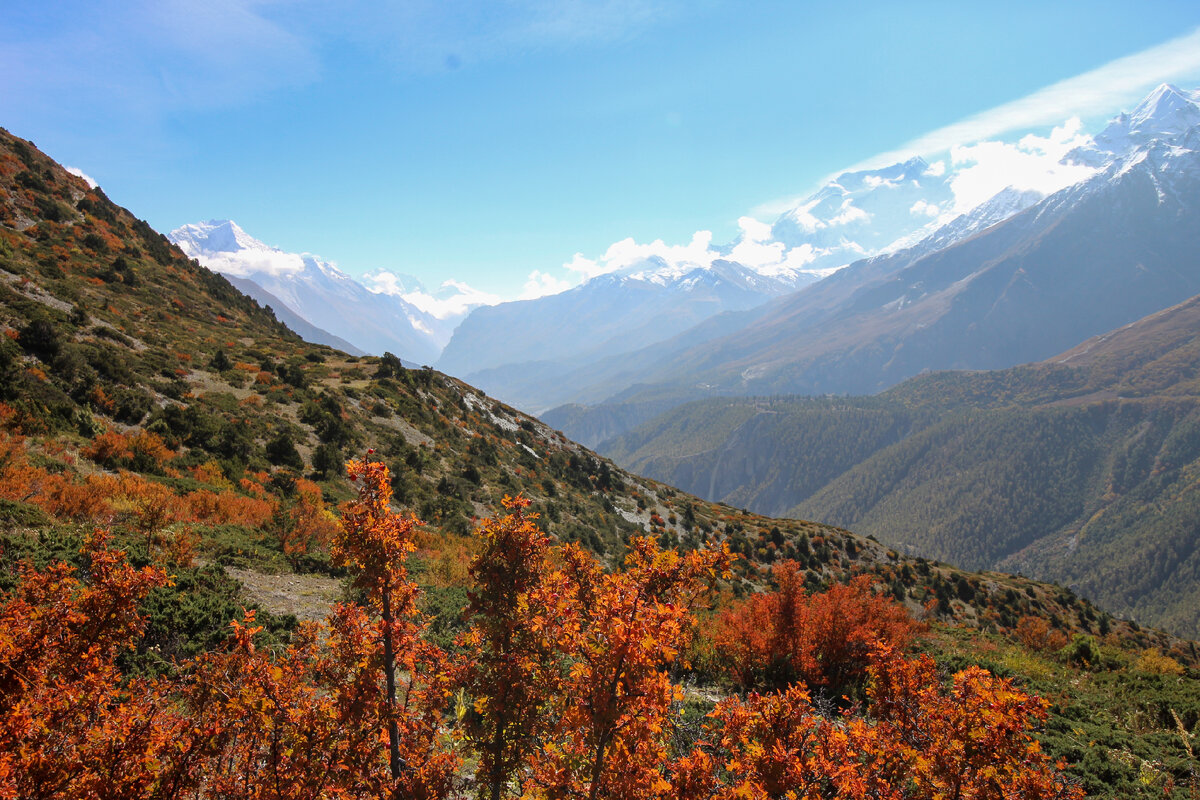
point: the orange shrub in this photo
(115, 450)
(210, 472)
(1036, 634)
(823, 639)
(79, 501)
(229, 508)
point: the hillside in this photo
(207, 397)
(1077, 469)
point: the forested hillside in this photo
(1077, 469)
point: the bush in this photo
(281, 451)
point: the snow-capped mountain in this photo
(1089, 258)
(1167, 113)
(863, 213)
(318, 292)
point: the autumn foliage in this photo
(916, 739)
(68, 725)
(565, 686)
(827, 639)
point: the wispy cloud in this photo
(140, 59)
(1032, 164)
(753, 248)
(540, 284)
(1102, 91)
(452, 299)
(1117, 84)
(436, 35)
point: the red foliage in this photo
(569, 669)
(377, 542)
(824, 639)
(917, 740)
(625, 631)
(68, 726)
(306, 524)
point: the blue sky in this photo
(481, 141)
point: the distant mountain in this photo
(197, 395)
(1101, 253)
(307, 331)
(504, 348)
(142, 393)
(1167, 113)
(316, 291)
(606, 316)
(863, 213)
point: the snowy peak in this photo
(1168, 113)
(909, 170)
(215, 236)
(862, 213)
(314, 290)
(222, 246)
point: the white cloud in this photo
(451, 299)
(875, 181)
(77, 172)
(541, 283)
(134, 60)
(246, 262)
(628, 253)
(936, 169)
(848, 214)
(924, 209)
(985, 168)
(754, 248)
(382, 281)
(801, 215)
(440, 35)
(754, 230)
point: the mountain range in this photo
(308, 289)
(1080, 468)
(141, 391)
(989, 290)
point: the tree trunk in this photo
(389, 674)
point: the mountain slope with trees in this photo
(1077, 469)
